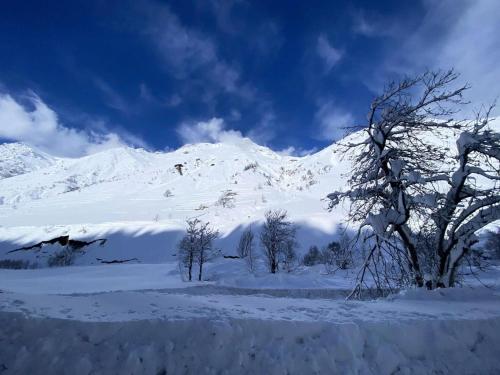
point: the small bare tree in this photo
(196, 246)
(65, 257)
(337, 255)
(312, 257)
(246, 247)
(277, 238)
(188, 247)
(246, 243)
(206, 250)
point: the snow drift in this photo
(264, 347)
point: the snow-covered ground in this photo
(140, 318)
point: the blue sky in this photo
(80, 76)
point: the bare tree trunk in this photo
(273, 266)
(201, 267)
(412, 252)
(190, 267)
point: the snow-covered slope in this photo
(206, 171)
(18, 158)
(141, 200)
(130, 188)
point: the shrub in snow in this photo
(71, 184)
(337, 255)
(246, 246)
(253, 166)
(196, 247)
(179, 167)
(278, 239)
(64, 257)
(226, 199)
(312, 257)
(401, 178)
(16, 264)
(492, 245)
(168, 194)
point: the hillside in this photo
(141, 200)
(125, 189)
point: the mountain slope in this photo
(141, 200)
(18, 158)
(125, 184)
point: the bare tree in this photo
(188, 247)
(402, 180)
(277, 238)
(196, 246)
(65, 257)
(245, 247)
(337, 255)
(312, 257)
(206, 250)
(246, 242)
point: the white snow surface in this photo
(18, 158)
(139, 317)
(138, 199)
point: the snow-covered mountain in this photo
(123, 188)
(142, 199)
(18, 158)
(125, 184)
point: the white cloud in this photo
(332, 120)
(459, 34)
(362, 26)
(41, 128)
(330, 55)
(212, 130)
(374, 25)
(145, 93)
(473, 48)
(173, 101)
(293, 151)
(265, 130)
(188, 52)
(112, 98)
(234, 17)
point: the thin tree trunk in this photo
(190, 267)
(200, 271)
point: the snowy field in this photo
(140, 318)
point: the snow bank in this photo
(41, 346)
